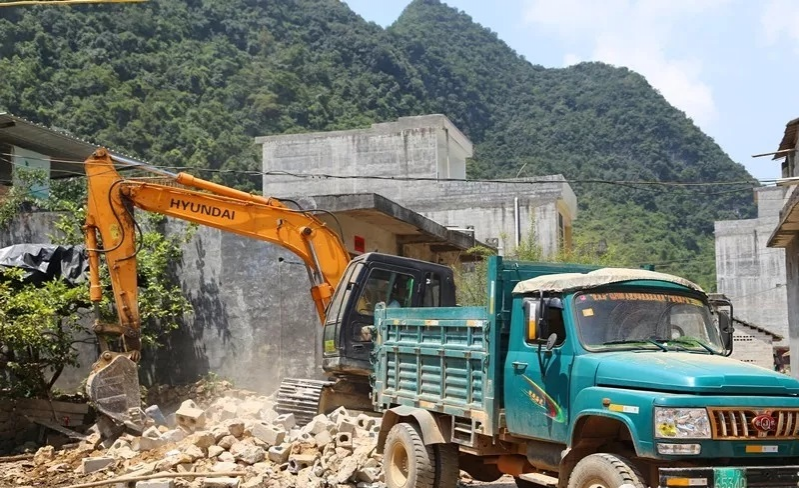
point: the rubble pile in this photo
(240, 437)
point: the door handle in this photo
(518, 365)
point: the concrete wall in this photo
(419, 147)
(749, 273)
(36, 228)
(754, 347)
(253, 322)
(252, 312)
(375, 240)
(425, 147)
(792, 292)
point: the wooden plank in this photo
(58, 428)
(39, 404)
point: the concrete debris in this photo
(279, 454)
(163, 483)
(44, 455)
(221, 483)
(286, 421)
(190, 418)
(92, 464)
(237, 433)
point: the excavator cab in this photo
(369, 279)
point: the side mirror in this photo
(721, 306)
(535, 312)
(726, 329)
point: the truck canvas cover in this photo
(564, 282)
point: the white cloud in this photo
(571, 59)
(636, 34)
(781, 18)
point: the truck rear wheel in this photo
(448, 472)
(605, 471)
(407, 462)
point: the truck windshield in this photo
(635, 320)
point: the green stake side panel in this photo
(438, 362)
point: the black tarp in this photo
(44, 262)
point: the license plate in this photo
(729, 478)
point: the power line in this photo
(20, 3)
(648, 185)
(778, 285)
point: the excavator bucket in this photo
(113, 388)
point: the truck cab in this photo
(590, 378)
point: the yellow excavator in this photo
(344, 290)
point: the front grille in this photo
(740, 423)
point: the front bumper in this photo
(730, 477)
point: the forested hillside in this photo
(191, 82)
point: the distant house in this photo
(24, 144)
(748, 272)
(754, 344)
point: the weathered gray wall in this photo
(748, 272)
(36, 228)
(253, 322)
(417, 147)
(29, 228)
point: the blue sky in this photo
(730, 65)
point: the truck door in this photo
(537, 378)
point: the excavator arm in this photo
(110, 232)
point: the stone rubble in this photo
(240, 433)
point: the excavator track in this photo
(301, 397)
(307, 398)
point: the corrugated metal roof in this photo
(64, 149)
(789, 138)
(758, 328)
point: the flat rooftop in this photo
(409, 226)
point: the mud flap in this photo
(114, 391)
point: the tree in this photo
(40, 325)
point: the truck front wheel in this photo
(605, 471)
(407, 462)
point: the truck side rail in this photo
(436, 359)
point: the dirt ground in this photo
(504, 482)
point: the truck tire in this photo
(448, 471)
(605, 471)
(407, 462)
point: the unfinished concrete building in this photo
(784, 232)
(420, 162)
(750, 273)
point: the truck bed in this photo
(437, 359)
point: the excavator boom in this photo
(111, 232)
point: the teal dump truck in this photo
(580, 377)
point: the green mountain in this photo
(191, 82)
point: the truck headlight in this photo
(681, 423)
